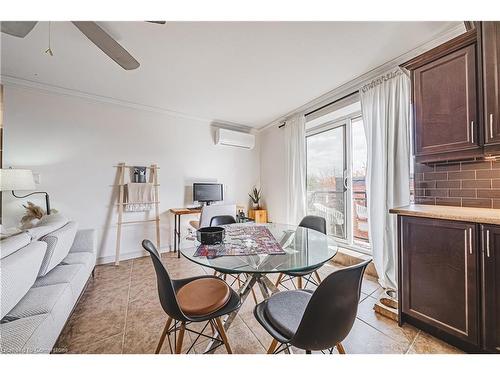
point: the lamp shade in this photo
(16, 179)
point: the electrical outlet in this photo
(37, 178)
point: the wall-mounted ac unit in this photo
(233, 138)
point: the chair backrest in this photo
(332, 309)
(317, 223)
(222, 220)
(166, 289)
(207, 212)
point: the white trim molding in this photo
(355, 84)
(14, 81)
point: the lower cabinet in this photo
(439, 276)
(449, 277)
(490, 259)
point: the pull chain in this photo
(49, 50)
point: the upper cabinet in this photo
(445, 103)
(455, 97)
(490, 37)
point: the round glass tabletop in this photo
(283, 248)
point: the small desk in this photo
(178, 212)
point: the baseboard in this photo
(127, 256)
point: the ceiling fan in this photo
(92, 31)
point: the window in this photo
(336, 172)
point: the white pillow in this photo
(46, 225)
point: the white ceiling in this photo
(242, 72)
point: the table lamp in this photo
(20, 179)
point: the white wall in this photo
(74, 143)
(272, 173)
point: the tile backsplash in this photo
(473, 183)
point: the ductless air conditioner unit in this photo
(233, 138)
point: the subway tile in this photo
(495, 164)
(448, 184)
(425, 200)
(436, 192)
(476, 165)
(496, 203)
(469, 193)
(420, 192)
(494, 173)
(488, 193)
(495, 184)
(449, 201)
(421, 168)
(480, 202)
(447, 167)
(471, 184)
(419, 177)
(462, 175)
(427, 184)
(436, 176)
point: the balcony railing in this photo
(330, 204)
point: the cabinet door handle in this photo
(472, 131)
(488, 243)
(470, 240)
(491, 125)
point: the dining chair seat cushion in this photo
(203, 296)
(284, 310)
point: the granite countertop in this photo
(473, 215)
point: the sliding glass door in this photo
(336, 173)
(326, 177)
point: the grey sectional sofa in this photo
(43, 272)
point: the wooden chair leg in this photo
(223, 335)
(239, 281)
(317, 276)
(178, 347)
(299, 282)
(215, 273)
(272, 347)
(254, 296)
(340, 348)
(163, 335)
(279, 279)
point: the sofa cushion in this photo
(46, 225)
(76, 275)
(18, 273)
(13, 243)
(25, 335)
(58, 245)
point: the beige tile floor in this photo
(120, 313)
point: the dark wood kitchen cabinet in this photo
(490, 39)
(439, 276)
(490, 280)
(445, 100)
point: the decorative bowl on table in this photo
(210, 235)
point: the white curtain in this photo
(295, 151)
(385, 104)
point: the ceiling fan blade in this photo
(107, 44)
(158, 22)
(18, 28)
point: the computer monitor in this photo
(208, 192)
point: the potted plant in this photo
(255, 196)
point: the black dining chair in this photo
(222, 220)
(227, 220)
(198, 288)
(318, 320)
(316, 223)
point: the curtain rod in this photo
(335, 101)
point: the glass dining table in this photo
(302, 249)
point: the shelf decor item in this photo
(255, 195)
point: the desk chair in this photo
(317, 223)
(191, 300)
(318, 320)
(207, 212)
